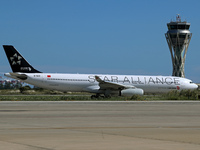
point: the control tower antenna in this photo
(178, 18)
(178, 39)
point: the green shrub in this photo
(182, 95)
(24, 88)
(136, 97)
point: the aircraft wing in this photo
(111, 85)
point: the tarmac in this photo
(164, 125)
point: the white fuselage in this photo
(88, 83)
(122, 85)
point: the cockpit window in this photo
(191, 82)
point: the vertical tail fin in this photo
(17, 61)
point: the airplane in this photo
(99, 84)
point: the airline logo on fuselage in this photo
(137, 80)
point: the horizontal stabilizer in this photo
(20, 76)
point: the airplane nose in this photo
(196, 86)
(191, 86)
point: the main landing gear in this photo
(100, 96)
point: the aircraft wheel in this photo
(93, 96)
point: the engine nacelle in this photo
(131, 92)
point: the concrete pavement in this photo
(100, 125)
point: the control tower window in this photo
(181, 26)
(173, 27)
(187, 27)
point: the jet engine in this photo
(131, 92)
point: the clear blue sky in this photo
(98, 36)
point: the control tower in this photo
(178, 38)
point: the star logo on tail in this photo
(15, 59)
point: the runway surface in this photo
(100, 125)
